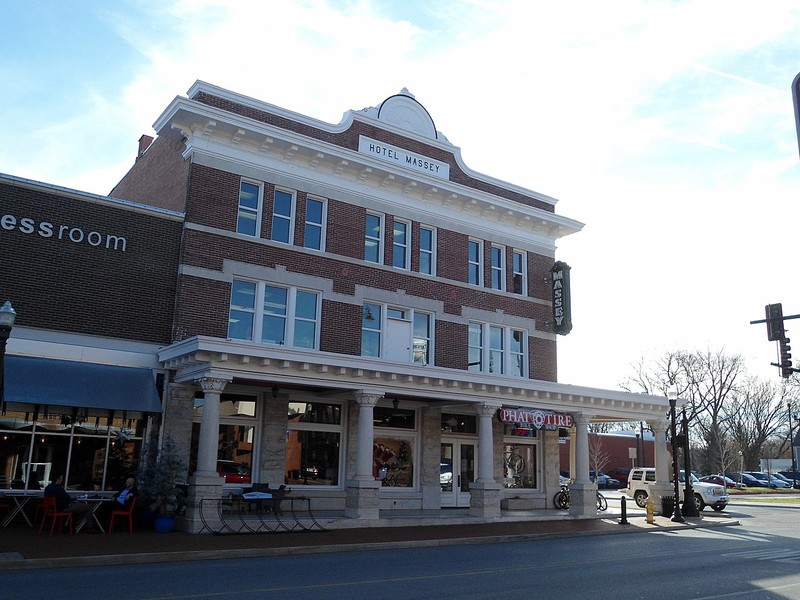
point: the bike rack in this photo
(234, 516)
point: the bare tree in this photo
(598, 458)
(757, 417)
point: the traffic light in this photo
(775, 329)
(786, 358)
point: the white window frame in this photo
(498, 267)
(322, 225)
(280, 217)
(477, 267)
(249, 210)
(429, 252)
(390, 311)
(488, 352)
(290, 318)
(401, 248)
(378, 240)
(522, 273)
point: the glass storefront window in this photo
(315, 412)
(392, 461)
(312, 457)
(519, 456)
(94, 452)
(459, 423)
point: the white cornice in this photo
(196, 357)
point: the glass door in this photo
(456, 472)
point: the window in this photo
(313, 443)
(371, 330)
(498, 267)
(286, 316)
(95, 450)
(373, 242)
(313, 235)
(249, 208)
(235, 439)
(503, 355)
(427, 245)
(282, 215)
(475, 257)
(399, 334)
(520, 449)
(401, 248)
(518, 269)
(421, 349)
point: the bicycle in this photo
(514, 462)
(561, 499)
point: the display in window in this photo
(392, 463)
(519, 464)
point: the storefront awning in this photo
(46, 381)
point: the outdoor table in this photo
(20, 498)
(95, 500)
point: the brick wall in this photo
(76, 283)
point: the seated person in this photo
(64, 502)
(125, 496)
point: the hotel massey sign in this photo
(562, 310)
(535, 418)
(403, 158)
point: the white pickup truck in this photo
(640, 480)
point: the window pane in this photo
(240, 320)
(274, 328)
(283, 204)
(280, 229)
(314, 211)
(305, 334)
(306, 305)
(312, 458)
(392, 462)
(372, 238)
(421, 348)
(315, 412)
(246, 223)
(248, 195)
(370, 343)
(312, 238)
(281, 217)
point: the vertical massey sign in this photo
(562, 312)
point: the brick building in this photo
(93, 281)
(360, 315)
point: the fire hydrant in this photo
(650, 508)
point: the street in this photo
(759, 559)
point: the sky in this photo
(668, 128)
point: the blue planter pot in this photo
(163, 524)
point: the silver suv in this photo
(640, 480)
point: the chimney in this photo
(144, 144)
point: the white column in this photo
(209, 426)
(581, 474)
(366, 402)
(485, 442)
(662, 456)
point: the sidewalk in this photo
(22, 548)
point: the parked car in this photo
(750, 481)
(722, 480)
(641, 481)
(794, 477)
(603, 480)
(233, 472)
(769, 481)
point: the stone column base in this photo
(582, 499)
(202, 487)
(484, 499)
(363, 497)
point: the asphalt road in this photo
(759, 559)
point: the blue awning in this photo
(46, 381)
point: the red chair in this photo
(124, 513)
(60, 518)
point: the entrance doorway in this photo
(456, 471)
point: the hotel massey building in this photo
(357, 313)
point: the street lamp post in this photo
(791, 446)
(677, 516)
(7, 317)
(689, 507)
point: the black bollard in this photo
(624, 512)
